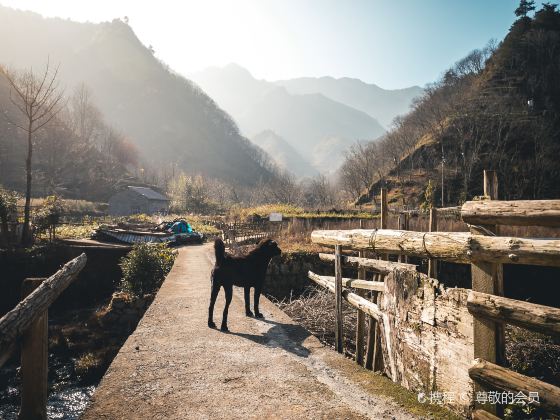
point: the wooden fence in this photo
(485, 252)
(241, 233)
(28, 323)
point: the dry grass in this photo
(76, 231)
(87, 363)
(288, 211)
(72, 207)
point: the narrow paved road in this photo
(174, 367)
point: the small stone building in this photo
(137, 200)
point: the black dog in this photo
(246, 271)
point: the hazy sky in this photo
(393, 43)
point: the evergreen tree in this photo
(525, 6)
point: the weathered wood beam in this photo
(432, 262)
(360, 316)
(535, 317)
(359, 302)
(15, 322)
(338, 299)
(34, 361)
(516, 213)
(378, 286)
(379, 266)
(497, 377)
(461, 247)
(374, 355)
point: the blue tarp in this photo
(181, 227)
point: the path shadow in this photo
(285, 336)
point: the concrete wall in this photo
(96, 282)
(128, 202)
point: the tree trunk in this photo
(5, 237)
(26, 233)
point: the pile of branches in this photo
(315, 310)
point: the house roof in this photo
(148, 193)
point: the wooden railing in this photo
(486, 253)
(28, 323)
(240, 233)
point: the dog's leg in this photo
(256, 302)
(229, 293)
(247, 293)
(213, 296)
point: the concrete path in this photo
(175, 367)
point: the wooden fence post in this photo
(374, 355)
(338, 296)
(491, 190)
(34, 362)
(432, 263)
(377, 351)
(487, 278)
(403, 224)
(360, 315)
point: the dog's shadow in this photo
(285, 336)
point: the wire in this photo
(488, 232)
(372, 238)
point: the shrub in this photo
(8, 205)
(145, 268)
(429, 196)
(48, 215)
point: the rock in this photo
(119, 300)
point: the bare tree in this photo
(86, 118)
(39, 99)
(318, 192)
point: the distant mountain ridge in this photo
(308, 122)
(382, 104)
(284, 154)
(170, 119)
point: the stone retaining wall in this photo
(287, 274)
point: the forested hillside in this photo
(498, 108)
(173, 124)
(76, 155)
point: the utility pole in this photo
(442, 163)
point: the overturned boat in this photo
(175, 232)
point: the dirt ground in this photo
(175, 367)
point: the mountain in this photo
(308, 122)
(284, 154)
(382, 104)
(171, 120)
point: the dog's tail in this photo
(220, 251)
